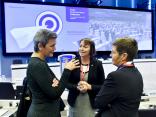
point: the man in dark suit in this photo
(121, 92)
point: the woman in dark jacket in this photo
(85, 82)
(46, 89)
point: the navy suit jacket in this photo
(121, 93)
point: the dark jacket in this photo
(121, 93)
(95, 78)
(46, 101)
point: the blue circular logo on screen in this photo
(50, 20)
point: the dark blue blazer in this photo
(121, 93)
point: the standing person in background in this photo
(121, 92)
(85, 82)
(46, 89)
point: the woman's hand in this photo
(82, 88)
(85, 84)
(55, 82)
(73, 64)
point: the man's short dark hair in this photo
(127, 45)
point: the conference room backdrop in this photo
(6, 61)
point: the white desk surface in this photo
(9, 112)
(146, 104)
(18, 66)
(6, 110)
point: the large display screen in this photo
(72, 23)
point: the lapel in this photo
(78, 73)
(91, 70)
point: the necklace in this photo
(83, 70)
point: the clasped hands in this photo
(83, 86)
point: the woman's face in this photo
(49, 48)
(84, 49)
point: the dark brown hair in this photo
(126, 45)
(90, 42)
